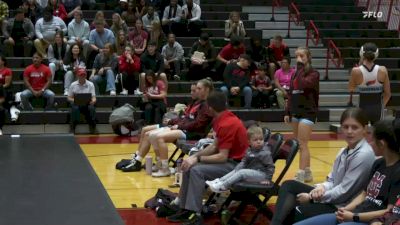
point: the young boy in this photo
(262, 87)
(256, 166)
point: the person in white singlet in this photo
(372, 81)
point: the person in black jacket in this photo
(154, 61)
(201, 67)
(237, 80)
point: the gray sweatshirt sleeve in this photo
(50, 54)
(268, 163)
(179, 52)
(38, 30)
(358, 167)
(242, 163)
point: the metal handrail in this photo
(314, 28)
(331, 52)
(295, 17)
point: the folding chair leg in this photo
(171, 158)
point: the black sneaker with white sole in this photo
(181, 216)
(121, 164)
(133, 166)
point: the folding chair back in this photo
(287, 152)
(267, 134)
(275, 142)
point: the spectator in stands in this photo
(56, 54)
(88, 4)
(138, 38)
(302, 108)
(42, 3)
(214, 161)
(32, 10)
(154, 99)
(262, 88)
(149, 18)
(121, 42)
(229, 54)
(45, 30)
(81, 86)
(171, 17)
(98, 38)
(157, 35)
(129, 15)
(380, 195)
(282, 80)
(237, 80)
(6, 96)
(118, 24)
(257, 51)
(191, 13)
(129, 68)
(73, 61)
(18, 34)
(99, 17)
(173, 55)
(234, 26)
(340, 187)
(58, 9)
(78, 32)
(193, 124)
(122, 7)
(369, 74)
(202, 58)
(140, 8)
(4, 14)
(155, 4)
(37, 79)
(72, 6)
(276, 51)
(104, 68)
(154, 61)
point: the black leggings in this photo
(154, 112)
(285, 209)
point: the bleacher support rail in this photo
(293, 15)
(314, 35)
(334, 55)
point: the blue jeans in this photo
(27, 94)
(246, 92)
(242, 175)
(108, 76)
(326, 219)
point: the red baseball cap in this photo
(81, 72)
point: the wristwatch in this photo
(356, 217)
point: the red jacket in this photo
(62, 13)
(124, 66)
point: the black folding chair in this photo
(274, 143)
(249, 193)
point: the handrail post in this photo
(308, 35)
(273, 11)
(389, 13)
(288, 30)
(327, 61)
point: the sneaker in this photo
(176, 201)
(156, 167)
(181, 216)
(217, 187)
(137, 92)
(113, 93)
(161, 173)
(133, 166)
(1, 132)
(211, 182)
(124, 92)
(124, 162)
(300, 175)
(194, 220)
(14, 111)
(66, 92)
(177, 77)
(308, 177)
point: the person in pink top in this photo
(154, 99)
(37, 79)
(282, 81)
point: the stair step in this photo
(278, 25)
(267, 17)
(264, 9)
(270, 33)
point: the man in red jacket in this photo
(193, 124)
(129, 68)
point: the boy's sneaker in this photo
(137, 92)
(210, 182)
(217, 187)
(181, 216)
(308, 177)
(177, 77)
(66, 92)
(133, 166)
(113, 93)
(124, 92)
(14, 112)
(300, 176)
(162, 173)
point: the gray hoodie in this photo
(175, 52)
(47, 30)
(78, 30)
(260, 160)
(349, 175)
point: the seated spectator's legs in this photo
(49, 96)
(53, 67)
(89, 112)
(144, 143)
(148, 113)
(2, 113)
(75, 114)
(8, 48)
(110, 78)
(68, 79)
(28, 46)
(226, 91)
(26, 95)
(260, 99)
(272, 68)
(280, 98)
(248, 95)
(193, 183)
(198, 72)
(129, 82)
(154, 111)
(242, 175)
(41, 47)
(97, 79)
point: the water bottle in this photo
(149, 164)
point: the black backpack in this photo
(161, 203)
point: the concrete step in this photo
(333, 86)
(267, 17)
(315, 52)
(263, 9)
(297, 42)
(278, 25)
(317, 63)
(270, 33)
(336, 113)
(336, 100)
(335, 74)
